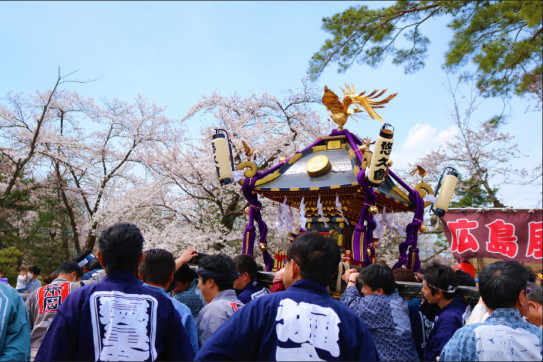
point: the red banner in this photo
(494, 233)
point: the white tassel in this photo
(287, 216)
(338, 205)
(303, 219)
(279, 220)
(378, 232)
(321, 213)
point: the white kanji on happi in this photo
(125, 325)
(309, 325)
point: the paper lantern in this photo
(445, 190)
(222, 156)
(381, 153)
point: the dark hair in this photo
(246, 264)
(21, 268)
(35, 270)
(378, 276)
(439, 276)
(536, 293)
(317, 256)
(404, 275)
(464, 278)
(157, 266)
(223, 268)
(500, 283)
(121, 245)
(184, 274)
(1, 271)
(93, 264)
(68, 267)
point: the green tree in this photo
(503, 39)
(10, 260)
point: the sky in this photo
(173, 53)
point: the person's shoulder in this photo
(9, 291)
(533, 329)
(180, 306)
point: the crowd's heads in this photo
(157, 267)
(93, 264)
(404, 275)
(377, 276)
(69, 267)
(317, 256)
(534, 311)
(22, 269)
(83, 259)
(220, 268)
(246, 264)
(439, 277)
(500, 284)
(35, 270)
(464, 278)
(184, 274)
(121, 246)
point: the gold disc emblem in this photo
(318, 166)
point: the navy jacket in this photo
(116, 319)
(300, 323)
(447, 321)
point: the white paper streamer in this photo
(287, 216)
(338, 205)
(303, 219)
(400, 228)
(279, 221)
(378, 232)
(321, 213)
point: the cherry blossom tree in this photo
(204, 214)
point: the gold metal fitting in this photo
(263, 247)
(422, 228)
(373, 210)
(389, 163)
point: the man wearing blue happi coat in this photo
(302, 323)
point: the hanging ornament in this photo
(378, 231)
(321, 213)
(303, 219)
(279, 220)
(287, 216)
(338, 205)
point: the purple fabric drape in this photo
(409, 252)
(255, 215)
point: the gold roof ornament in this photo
(341, 110)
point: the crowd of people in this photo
(127, 303)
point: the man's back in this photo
(301, 323)
(116, 319)
(504, 336)
(42, 306)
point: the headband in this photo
(85, 261)
(450, 289)
(217, 275)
